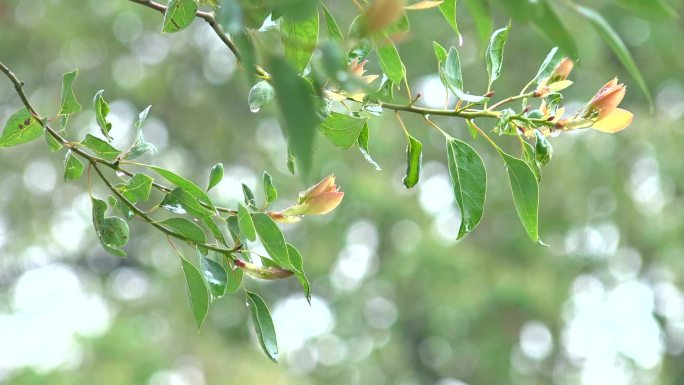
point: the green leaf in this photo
(185, 184)
(234, 277)
(238, 238)
(362, 142)
(272, 238)
(414, 159)
(552, 59)
(551, 26)
(101, 112)
(73, 167)
(52, 143)
(298, 268)
(290, 161)
(454, 79)
(482, 17)
(294, 96)
(334, 31)
(260, 95)
(448, 9)
(100, 147)
(140, 146)
(137, 189)
(248, 195)
(469, 178)
(529, 158)
(245, 222)
(112, 231)
(116, 203)
(211, 225)
(69, 103)
(525, 194)
(263, 325)
(543, 151)
(186, 228)
(299, 39)
(179, 15)
(179, 201)
(495, 52)
(20, 128)
(652, 10)
(269, 188)
(341, 129)
(440, 52)
(215, 175)
(390, 61)
(362, 44)
(617, 45)
(215, 276)
(197, 292)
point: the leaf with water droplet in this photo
(260, 95)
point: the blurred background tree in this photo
(396, 299)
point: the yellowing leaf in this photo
(425, 4)
(618, 120)
(560, 86)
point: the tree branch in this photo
(94, 161)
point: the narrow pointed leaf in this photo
(298, 268)
(69, 104)
(414, 159)
(295, 99)
(186, 228)
(334, 31)
(390, 61)
(454, 79)
(448, 9)
(469, 178)
(617, 45)
(272, 239)
(101, 112)
(269, 189)
(525, 191)
(551, 26)
(479, 9)
(495, 52)
(552, 59)
(362, 141)
(197, 291)
(215, 175)
(185, 184)
(263, 325)
(246, 224)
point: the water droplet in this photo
(120, 174)
(254, 109)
